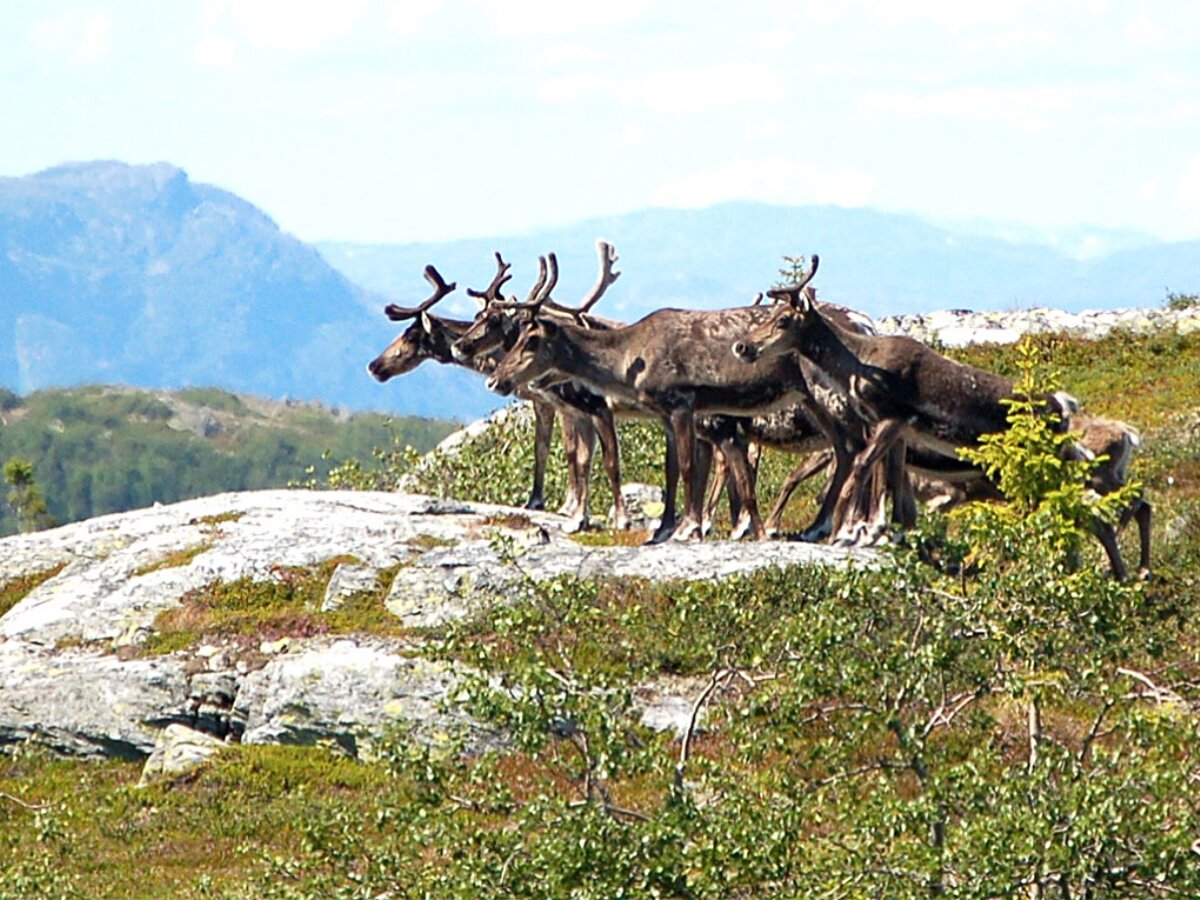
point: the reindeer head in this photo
(531, 358)
(426, 338)
(783, 330)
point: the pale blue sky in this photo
(377, 121)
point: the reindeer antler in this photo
(608, 256)
(539, 294)
(440, 290)
(492, 293)
(792, 292)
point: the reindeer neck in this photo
(445, 333)
(592, 356)
(832, 349)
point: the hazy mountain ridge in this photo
(881, 263)
(136, 274)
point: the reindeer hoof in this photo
(687, 531)
(535, 503)
(577, 524)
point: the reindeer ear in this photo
(426, 323)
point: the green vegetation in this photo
(989, 715)
(25, 497)
(97, 450)
(14, 591)
(173, 560)
(1179, 301)
(287, 606)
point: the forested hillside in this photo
(106, 449)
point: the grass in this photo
(14, 591)
(250, 611)
(173, 560)
(82, 829)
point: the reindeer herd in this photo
(797, 375)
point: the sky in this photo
(429, 120)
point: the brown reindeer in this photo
(907, 392)
(675, 363)
(499, 323)
(430, 337)
(1111, 445)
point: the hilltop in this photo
(104, 448)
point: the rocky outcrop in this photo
(73, 675)
(959, 327)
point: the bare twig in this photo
(36, 807)
(685, 748)
(1094, 731)
(1035, 731)
(947, 710)
(1155, 693)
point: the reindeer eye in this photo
(784, 322)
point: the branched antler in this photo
(608, 256)
(539, 294)
(492, 293)
(440, 289)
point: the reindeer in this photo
(499, 323)
(1111, 445)
(430, 337)
(493, 333)
(907, 392)
(676, 364)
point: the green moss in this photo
(429, 542)
(288, 606)
(610, 538)
(218, 518)
(173, 560)
(15, 590)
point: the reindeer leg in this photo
(606, 429)
(1143, 512)
(706, 456)
(571, 436)
(543, 429)
(806, 470)
(1107, 535)
(581, 462)
(743, 472)
(881, 437)
(716, 483)
(667, 524)
(904, 503)
(683, 425)
(829, 517)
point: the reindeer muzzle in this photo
(501, 386)
(745, 352)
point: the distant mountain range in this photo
(135, 274)
(880, 263)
